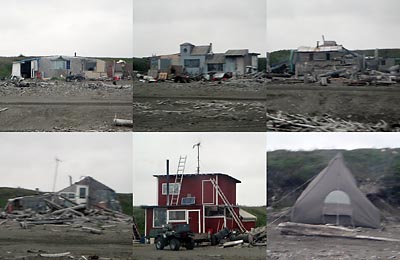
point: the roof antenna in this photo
(198, 156)
(55, 173)
(323, 39)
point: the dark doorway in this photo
(26, 69)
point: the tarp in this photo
(333, 197)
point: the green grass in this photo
(125, 199)
(259, 212)
(138, 212)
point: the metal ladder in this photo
(135, 233)
(228, 206)
(178, 179)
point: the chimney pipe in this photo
(70, 180)
(75, 54)
(167, 182)
(317, 44)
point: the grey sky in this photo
(100, 28)
(357, 24)
(240, 155)
(161, 26)
(27, 160)
(348, 141)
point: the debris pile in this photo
(58, 210)
(280, 121)
(229, 238)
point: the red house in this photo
(205, 201)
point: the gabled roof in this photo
(240, 52)
(200, 50)
(191, 175)
(93, 184)
(215, 58)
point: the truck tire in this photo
(190, 244)
(174, 244)
(160, 244)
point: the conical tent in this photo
(333, 197)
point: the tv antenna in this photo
(55, 173)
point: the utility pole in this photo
(55, 173)
(198, 156)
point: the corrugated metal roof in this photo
(201, 174)
(200, 50)
(216, 58)
(242, 52)
(320, 48)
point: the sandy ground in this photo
(65, 106)
(18, 243)
(301, 247)
(365, 104)
(234, 105)
(199, 253)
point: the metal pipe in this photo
(167, 182)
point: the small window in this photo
(177, 215)
(71, 196)
(159, 217)
(68, 64)
(337, 197)
(188, 201)
(82, 193)
(214, 211)
(311, 56)
(173, 188)
(59, 64)
(383, 62)
(192, 63)
(185, 50)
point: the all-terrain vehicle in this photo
(175, 236)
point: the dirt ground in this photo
(17, 243)
(141, 251)
(303, 247)
(234, 105)
(364, 104)
(65, 106)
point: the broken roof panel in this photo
(200, 50)
(241, 52)
(216, 58)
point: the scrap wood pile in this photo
(73, 215)
(285, 122)
(300, 229)
(42, 254)
(229, 238)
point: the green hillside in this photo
(8, 193)
(126, 202)
(288, 170)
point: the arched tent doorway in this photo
(337, 209)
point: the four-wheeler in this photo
(175, 236)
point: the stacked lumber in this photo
(285, 122)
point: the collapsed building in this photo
(200, 60)
(47, 67)
(88, 193)
(324, 58)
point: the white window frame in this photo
(154, 218)
(175, 191)
(177, 221)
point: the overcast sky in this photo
(161, 26)
(27, 160)
(97, 28)
(240, 155)
(347, 141)
(357, 24)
